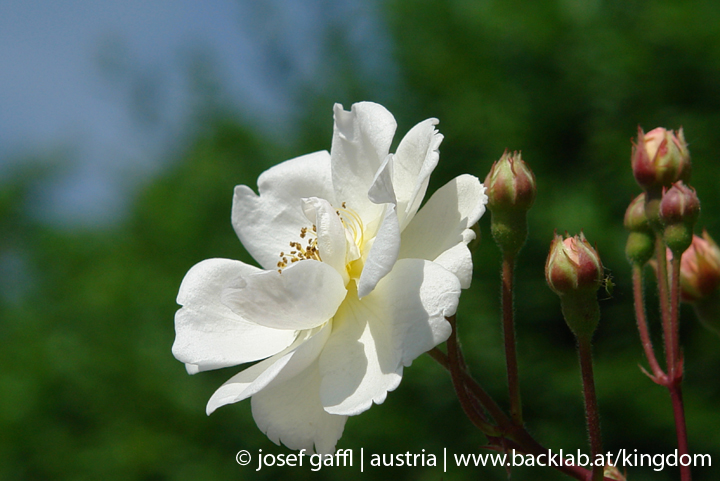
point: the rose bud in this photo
(511, 192)
(660, 158)
(700, 269)
(641, 241)
(510, 184)
(679, 210)
(574, 271)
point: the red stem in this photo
(680, 429)
(515, 437)
(675, 370)
(508, 269)
(669, 302)
(663, 294)
(456, 366)
(659, 375)
(476, 389)
(591, 407)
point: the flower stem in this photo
(663, 294)
(508, 272)
(675, 370)
(591, 409)
(456, 365)
(476, 389)
(517, 437)
(680, 428)
(658, 374)
(669, 307)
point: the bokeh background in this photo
(125, 125)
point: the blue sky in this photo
(104, 85)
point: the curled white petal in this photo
(383, 253)
(208, 335)
(443, 223)
(415, 159)
(361, 142)
(278, 368)
(303, 296)
(331, 235)
(381, 190)
(458, 260)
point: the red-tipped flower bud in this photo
(700, 269)
(679, 205)
(510, 184)
(679, 210)
(660, 158)
(572, 265)
(511, 191)
(574, 271)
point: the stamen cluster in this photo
(300, 253)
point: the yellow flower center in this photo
(353, 226)
(354, 236)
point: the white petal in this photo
(415, 159)
(267, 223)
(303, 296)
(361, 141)
(439, 295)
(444, 222)
(458, 260)
(280, 367)
(359, 364)
(290, 412)
(208, 335)
(331, 236)
(381, 191)
(383, 253)
(374, 337)
(248, 382)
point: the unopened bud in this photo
(700, 280)
(679, 210)
(574, 271)
(573, 264)
(635, 218)
(510, 184)
(641, 241)
(511, 192)
(640, 247)
(660, 158)
(680, 204)
(700, 269)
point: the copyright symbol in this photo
(243, 458)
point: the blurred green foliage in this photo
(89, 389)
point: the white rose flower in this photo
(355, 284)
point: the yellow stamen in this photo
(300, 253)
